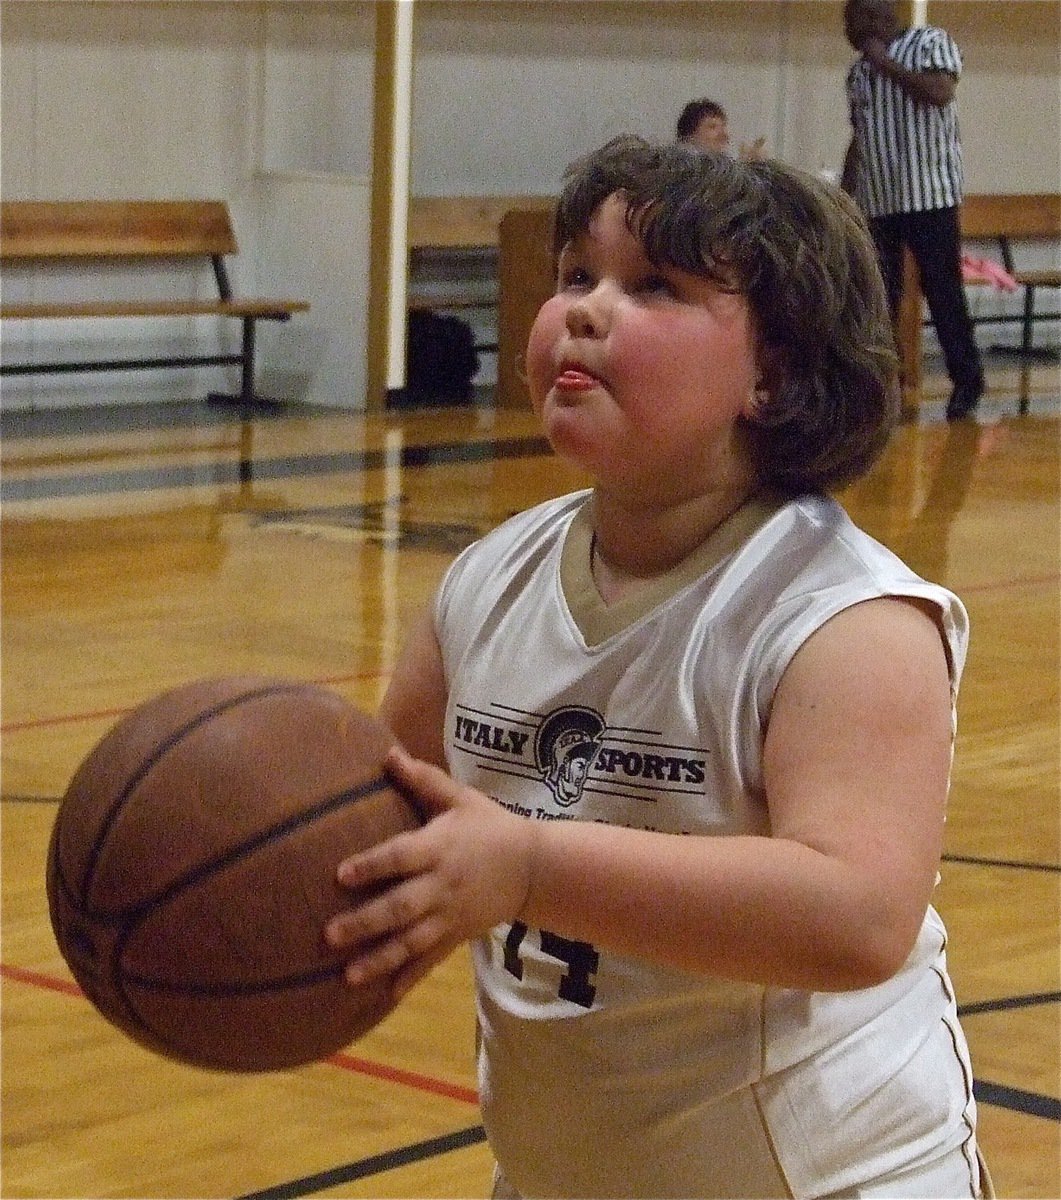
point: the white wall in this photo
(507, 93)
(266, 106)
(269, 106)
(314, 196)
(317, 87)
(1009, 98)
(313, 242)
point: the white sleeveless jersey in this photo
(603, 1075)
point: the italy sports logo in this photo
(567, 742)
(572, 751)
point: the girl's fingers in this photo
(398, 910)
(379, 963)
(396, 858)
(411, 926)
(416, 949)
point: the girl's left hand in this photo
(466, 870)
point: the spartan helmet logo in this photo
(564, 749)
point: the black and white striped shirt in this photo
(909, 152)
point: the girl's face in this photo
(639, 374)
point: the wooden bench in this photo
(463, 222)
(1005, 219)
(459, 224)
(142, 231)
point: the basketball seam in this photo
(142, 771)
(123, 981)
(136, 912)
(234, 988)
(79, 898)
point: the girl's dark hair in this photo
(800, 252)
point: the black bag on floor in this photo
(441, 359)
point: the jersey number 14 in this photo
(580, 959)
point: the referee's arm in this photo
(929, 87)
(850, 168)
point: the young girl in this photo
(686, 737)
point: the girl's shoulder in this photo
(489, 564)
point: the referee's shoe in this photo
(964, 398)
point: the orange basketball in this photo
(192, 868)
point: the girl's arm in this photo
(414, 708)
(856, 763)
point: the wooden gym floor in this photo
(149, 547)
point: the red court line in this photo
(348, 1062)
(21, 975)
(413, 1079)
(43, 722)
(70, 718)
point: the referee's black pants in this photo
(934, 238)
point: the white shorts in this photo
(947, 1178)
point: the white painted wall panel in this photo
(314, 231)
(317, 93)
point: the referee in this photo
(904, 169)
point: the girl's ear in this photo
(760, 401)
(767, 383)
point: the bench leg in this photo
(246, 397)
(1026, 346)
(246, 394)
(1029, 316)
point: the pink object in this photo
(983, 270)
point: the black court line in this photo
(96, 419)
(1012, 863)
(378, 1163)
(248, 471)
(987, 1006)
(1030, 1104)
